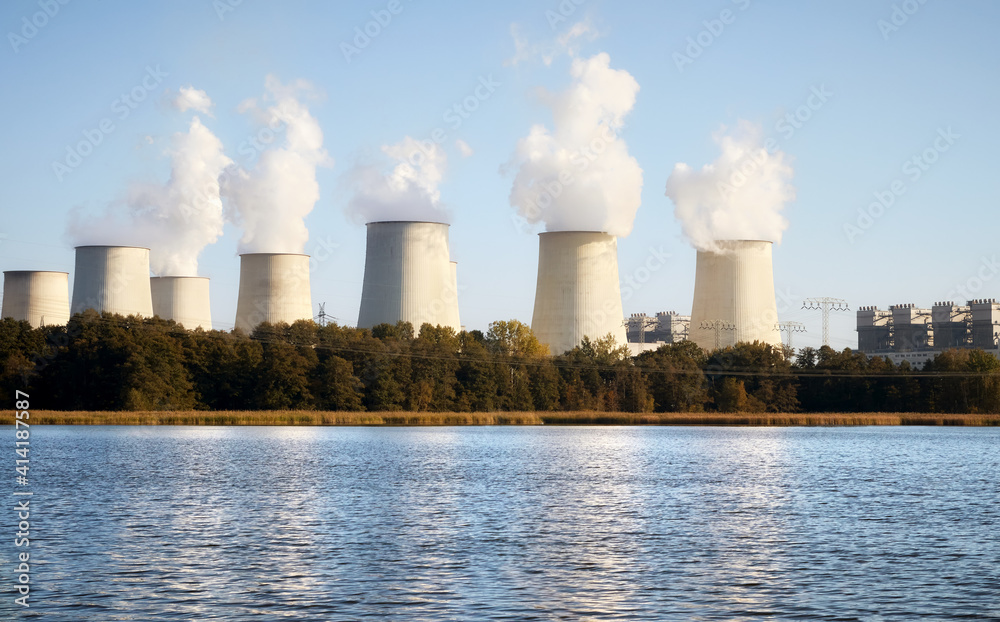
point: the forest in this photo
(109, 362)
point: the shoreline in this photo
(389, 419)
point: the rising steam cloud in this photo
(739, 196)
(270, 201)
(404, 188)
(175, 220)
(580, 176)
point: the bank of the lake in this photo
(338, 418)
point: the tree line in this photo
(109, 362)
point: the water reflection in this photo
(514, 523)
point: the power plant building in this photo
(183, 299)
(874, 329)
(916, 335)
(409, 276)
(734, 296)
(40, 298)
(985, 323)
(274, 288)
(577, 293)
(112, 279)
(659, 329)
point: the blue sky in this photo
(891, 93)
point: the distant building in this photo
(908, 333)
(645, 332)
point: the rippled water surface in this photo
(194, 523)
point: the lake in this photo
(510, 523)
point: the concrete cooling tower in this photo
(39, 298)
(183, 299)
(409, 276)
(112, 279)
(577, 294)
(274, 287)
(734, 296)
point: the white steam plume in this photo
(190, 98)
(409, 191)
(270, 201)
(580, 175)
(175, 220)
(739, 196)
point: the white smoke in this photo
(404, 188)
(270, 201)
(176, 220)
(190, 98)
(739, 196)
(580, 175)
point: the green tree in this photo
(674, 377)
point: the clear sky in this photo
(890, 90)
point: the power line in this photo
(826, 305)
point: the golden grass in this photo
(317, 418)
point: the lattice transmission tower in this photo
(826, 305)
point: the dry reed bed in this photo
(316, 418)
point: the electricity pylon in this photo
(826, 305)
(791, 327)
(718, 326)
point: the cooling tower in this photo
(183, 299)
(40, 298)
(409, 276)
(274, 287)
(113, 279)
(577, 294)
(734, 296)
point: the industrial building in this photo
(274, 288)
(112, 279)
(734, 296)
(183, 299)
(577, 293)
(40, 298)
(908, 333)
(645, 332)
(409, 276)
